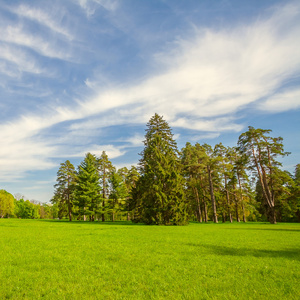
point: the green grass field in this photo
(82, 260)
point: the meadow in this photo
(81, 260)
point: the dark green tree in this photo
(263, 151)
(65, 186)
(118, 193)
(87, 192)
(160, 189)
(105, 168)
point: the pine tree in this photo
(105, 168)
(118, 192)
(263, 151)
(87, 189)
(64, 188)
(160, 188)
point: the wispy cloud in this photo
(90, 6)
(282, 101)
(18, 61)
(20, 36)
(45, 19)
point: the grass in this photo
(78, 260)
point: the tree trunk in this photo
(242, 200)
(236, 208)
(199, 213)
(223, 217)
(228, 201)
(272, 215)
(102, 216)
(205, 210)
(243, 209)
(212, 196)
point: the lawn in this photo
(82, 260)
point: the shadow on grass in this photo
(95, 223)
(271, 229)
(293, 254)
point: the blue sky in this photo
(80, 76)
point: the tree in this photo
(87, 192)
(65, 186)
(26, 210)
(160, 189)
(211, 160)
(6, 204)
(118, 192)
(263, 151)
(225, 171)
(105, 168)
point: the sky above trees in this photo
(86, 76)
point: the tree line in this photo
(169, 186)
(172, 187)
(17, 207)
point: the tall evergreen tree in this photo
(118, 192)
(105, 168)
(87, 190)
(161, 187)
(64, 188)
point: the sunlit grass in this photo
(61, 260)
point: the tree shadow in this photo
(95, 223)
(270, 229)
(293, 254)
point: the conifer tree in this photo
(160, 189)
(118, 192)
(87, 189)
(263, 151)
(64, 188)
(105, 168)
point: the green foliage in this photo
(87, 192)
(6, 204)
(26, 210)
(159, 192)
(118, 193)
(64, 189)
(263, 151)
(105, 168)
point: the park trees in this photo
(65, 186)
(160, 189)
(6, 204)
(105, 168)
(118, 193)
(87, 191)
(263, 151)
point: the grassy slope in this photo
(61, 260)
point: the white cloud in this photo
(45, 19)
(111, 151)
(19, 36)
(283, 101)
(20, 60)
(90, 6)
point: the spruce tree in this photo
(105, 168)
(64, 188)
(160, 197)
(87, 189)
